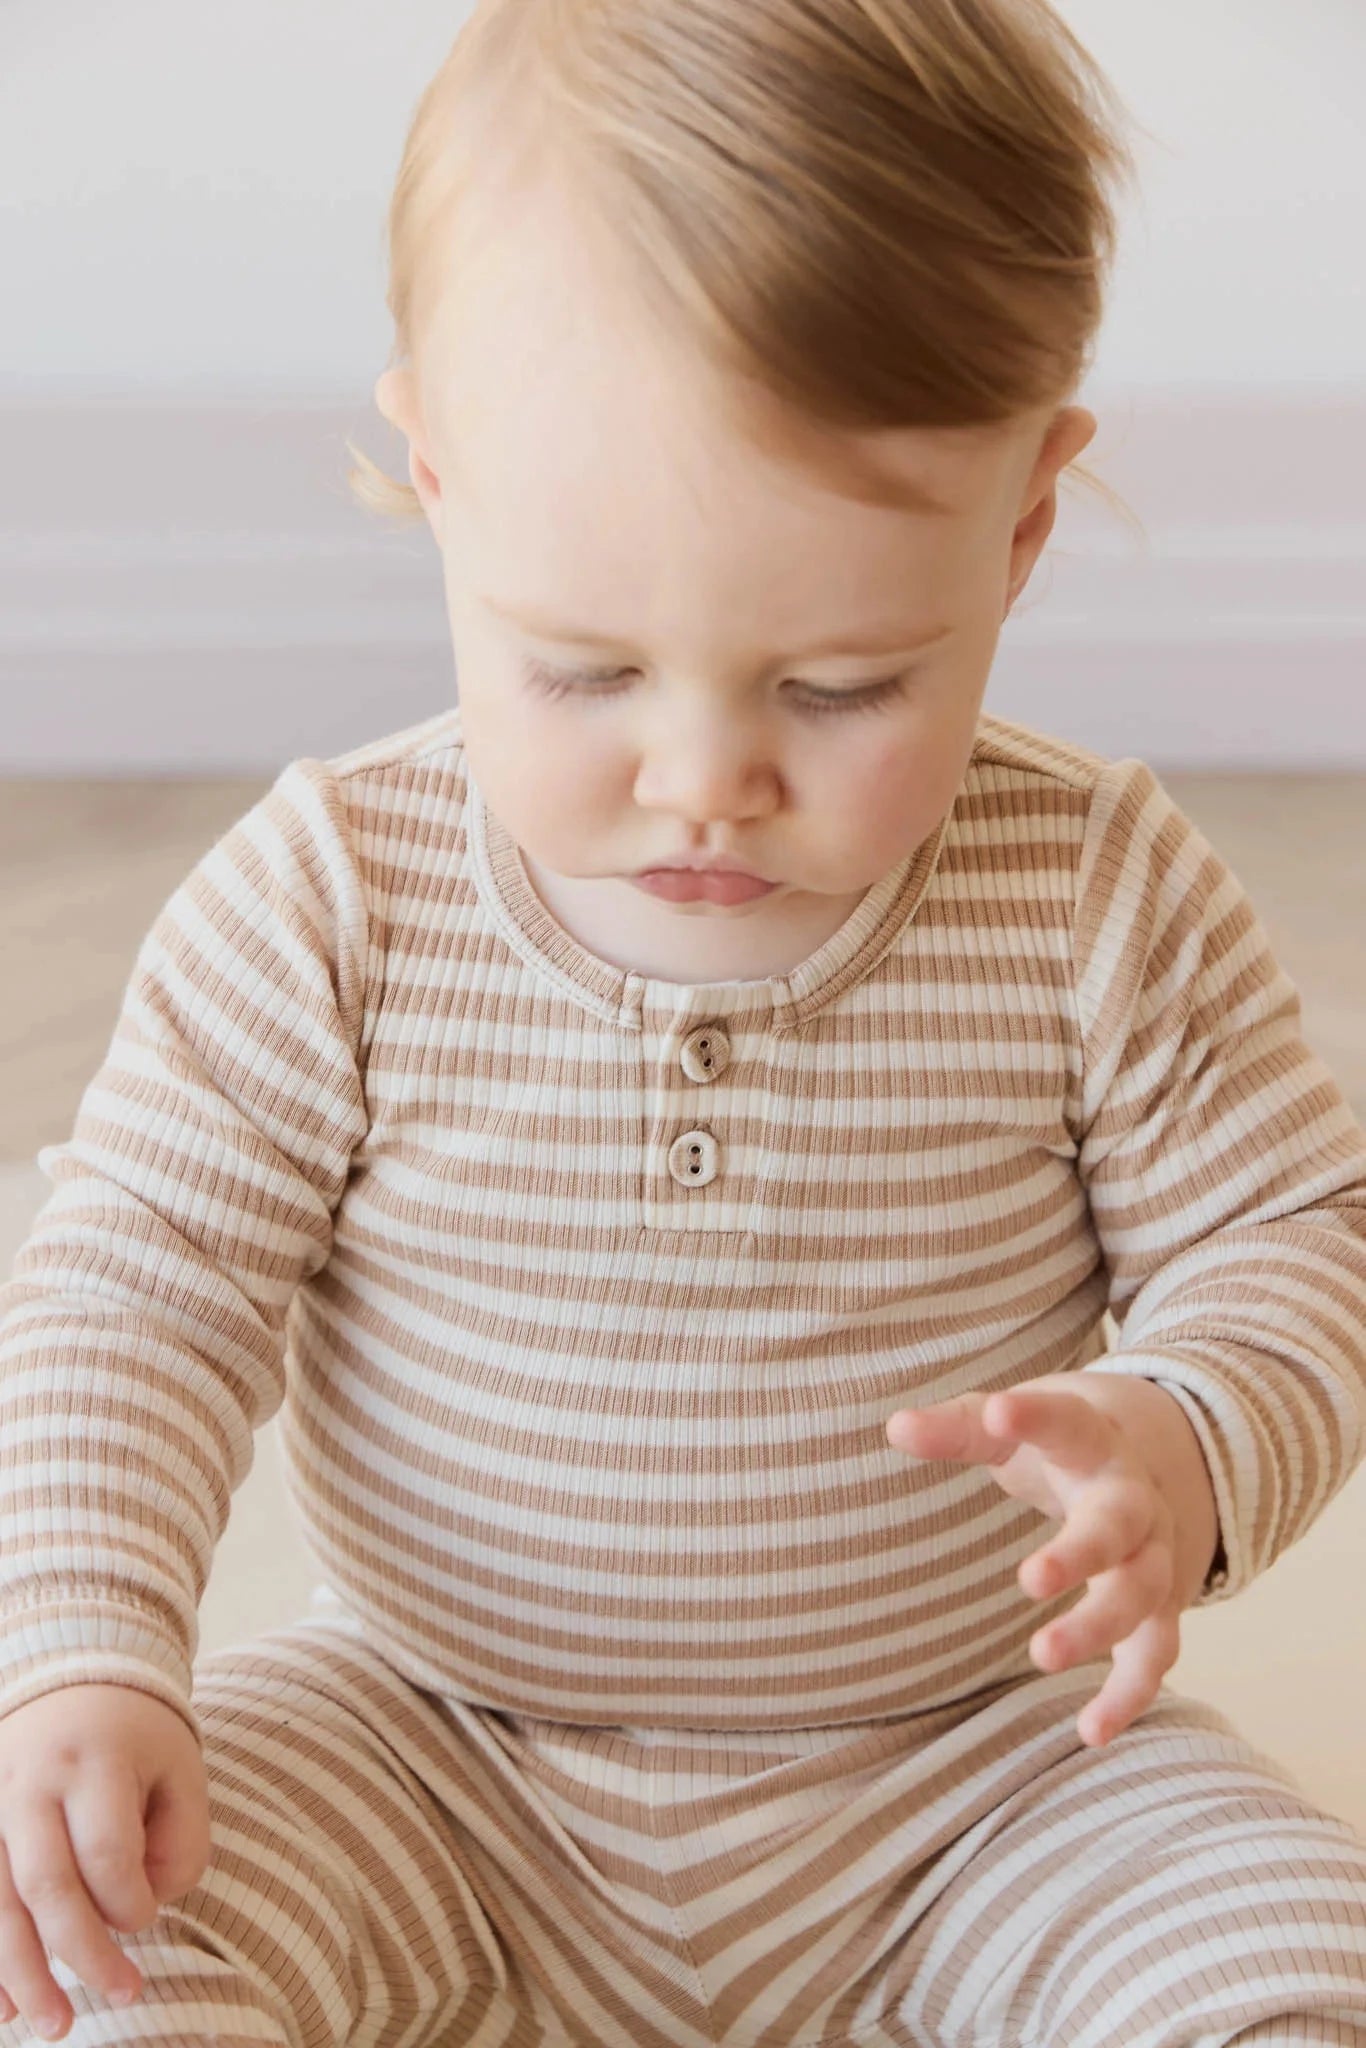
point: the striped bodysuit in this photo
(649, 1696)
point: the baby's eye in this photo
(592, 687)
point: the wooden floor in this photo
(86, 866)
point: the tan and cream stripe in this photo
(583, 1298)
(393, 1868)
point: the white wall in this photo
(1242, 254)
(195, 197)
(194, 210)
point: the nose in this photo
(718, 774)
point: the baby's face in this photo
(665, 635)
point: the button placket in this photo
(695, 1156)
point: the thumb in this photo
(177, 1831)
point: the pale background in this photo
(194, 318)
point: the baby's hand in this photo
(1046, 1444)
(104, 1816)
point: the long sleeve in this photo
(1225, 1175)
(142, 1330)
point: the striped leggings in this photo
(393, 1869)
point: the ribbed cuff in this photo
(85, 1638)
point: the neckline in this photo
(635, 1001)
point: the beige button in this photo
(706, 1053)
(695, 1159)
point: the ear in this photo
(398, 399)
(1071, 430)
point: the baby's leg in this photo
(333, 1912)
(1176, 1889)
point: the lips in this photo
(688, 885)
(688, 868)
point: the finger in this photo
(1141, 1662)
(29, 1982)
(178, 1843)
(47, 1879)
(953, 1430)
(1072, 1432)
(1108, 1524)
(104, 1822)
(1118, 1602)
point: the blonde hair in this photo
(888, 213)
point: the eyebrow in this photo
(870, 644)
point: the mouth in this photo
(711, 885)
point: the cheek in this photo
(892, 794)
(548, 784)
(896, 772)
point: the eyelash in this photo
(559, 683)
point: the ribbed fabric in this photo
(584, 1297)
(391, 1869)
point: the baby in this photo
(664, 1137)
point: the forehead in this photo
(541, 358)
(594, 467)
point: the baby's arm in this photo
(1225, 1174)
(141, 1332)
